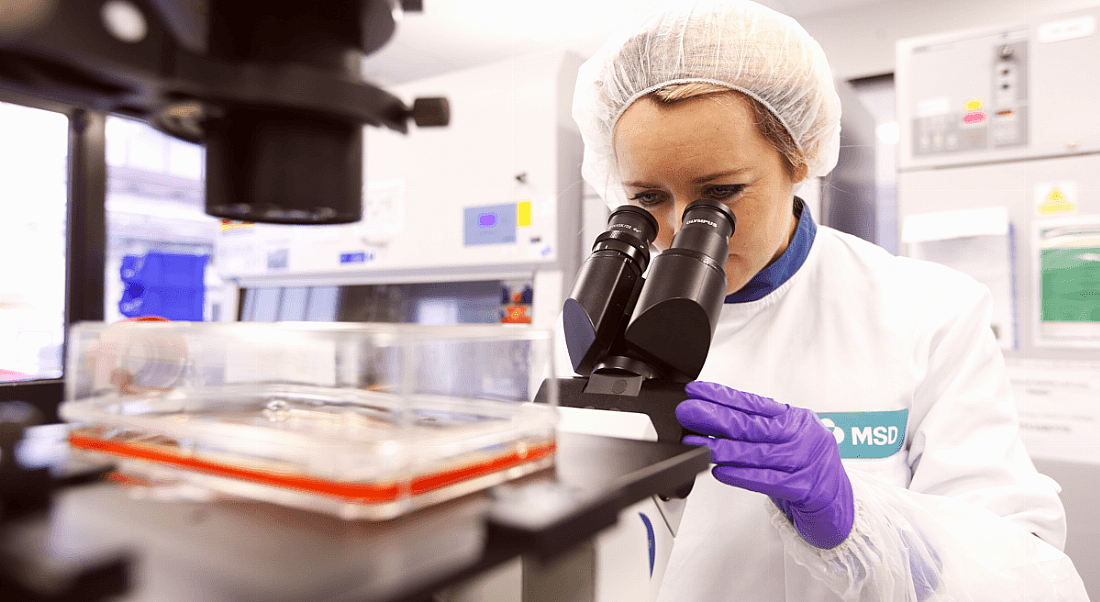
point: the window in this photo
(33, 197)
(472, 302)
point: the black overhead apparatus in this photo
(271, 89)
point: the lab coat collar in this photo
(771, 277)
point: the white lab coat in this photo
(856, 329)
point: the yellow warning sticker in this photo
(523, 213)
(1056, 198)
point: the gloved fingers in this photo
(718, 420)
(770, 482)
(781, 457)
(740, 400)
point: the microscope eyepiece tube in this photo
(677, 311)
(707, 226)
(635, 227)
(606, 286)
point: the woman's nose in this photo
(681, 206)
(671, 216)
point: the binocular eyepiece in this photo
(661, 325)
(607, 286)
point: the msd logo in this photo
(879, 435)
(868, 435)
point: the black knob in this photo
(431, 112)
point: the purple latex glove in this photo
(775, 449)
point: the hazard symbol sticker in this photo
(1056, 198)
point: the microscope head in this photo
(659, 326)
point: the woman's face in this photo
(708, 147)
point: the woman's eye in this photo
(646, 198)
(723, 192)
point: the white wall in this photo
(860, 41)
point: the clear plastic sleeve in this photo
(912, 547)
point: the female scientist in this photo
(896, 471)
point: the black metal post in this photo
(87, 217)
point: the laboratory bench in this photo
(97, 535)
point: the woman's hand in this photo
(775, 449)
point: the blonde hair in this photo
(769, 126)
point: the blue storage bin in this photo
(164, 284)
(165, 269)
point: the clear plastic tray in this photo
(362, 421)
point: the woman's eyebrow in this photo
(721, 174)
(699, 180)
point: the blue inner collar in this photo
(771, 277)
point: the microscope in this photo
(635, 341)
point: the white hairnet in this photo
(737, 44)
